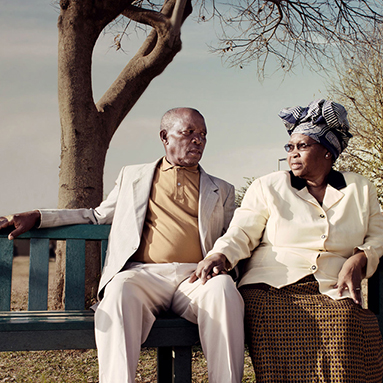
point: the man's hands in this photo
(351, 275)
(209, 268)
(22, 222)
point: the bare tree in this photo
(360, 89)
(252, 30)
(87, 127)
(290, 31)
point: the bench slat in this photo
(6, 259)
(90, 232)
(38, 274)
(75, 274)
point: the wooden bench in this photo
(73, 328)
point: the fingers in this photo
(356, 295)
(209, 268)
(193, 277)
(355, 292)
(6, 221)
(15, 233)
(22, 222)
(205, 273)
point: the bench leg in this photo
(182, 364)
(174, 364)
(164, 364)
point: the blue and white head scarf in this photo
(323, 120)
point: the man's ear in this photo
(163, 136)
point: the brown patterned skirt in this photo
(295, 334)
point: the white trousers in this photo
(135, 296)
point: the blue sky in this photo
(245, 135)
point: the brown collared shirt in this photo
(170, 232)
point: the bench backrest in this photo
(75, 237)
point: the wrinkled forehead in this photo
(189, 118)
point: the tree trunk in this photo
(87, 128)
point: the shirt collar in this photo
(166, 165)
(335, 179)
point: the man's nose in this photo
(197, 139)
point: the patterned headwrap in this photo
(323, 120)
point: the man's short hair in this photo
(169, 118)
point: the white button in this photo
(323, 236)
(179, 184)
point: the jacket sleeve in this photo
(103, 214)
(246, 228)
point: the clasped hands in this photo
(209, 268)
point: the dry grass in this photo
(75, 366)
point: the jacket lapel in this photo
(208, 197)
(142, 186)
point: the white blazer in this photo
(287, 234)
(125, 208)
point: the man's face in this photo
(185, 141)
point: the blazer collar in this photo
(335, 179)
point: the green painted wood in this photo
(90, 232)
(46, 320)
(38, 274)
(6, 259)
(47, 340)
(75, 274)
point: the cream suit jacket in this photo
(125, 209)
(288, 235)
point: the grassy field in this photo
(75, 366)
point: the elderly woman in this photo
(311, 235)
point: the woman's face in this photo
(307, 158)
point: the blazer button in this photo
(322, 216)
(313, 267)
(323, 236)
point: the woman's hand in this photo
(351, 275)
(209, 268)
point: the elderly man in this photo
(165, 217)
